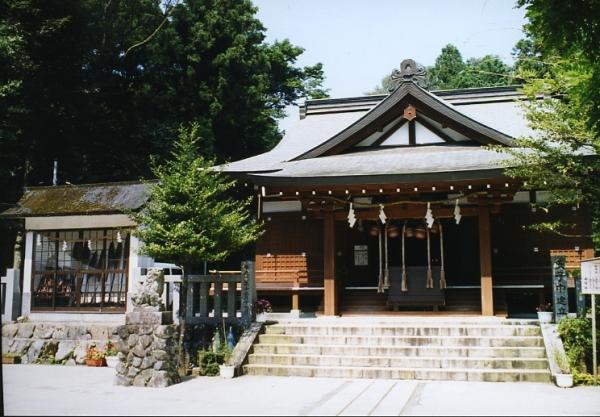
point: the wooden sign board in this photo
(590, 276)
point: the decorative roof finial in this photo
(410, 71)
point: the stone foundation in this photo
(61, 343)
(147, 350)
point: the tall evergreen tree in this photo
(449, 65)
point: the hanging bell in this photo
(393, 231)
(435, 229)
(374, 230)
(420, 232)
(409, 232)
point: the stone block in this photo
(147, 362)
(132, 340)
(161, 344)
(122, 331)
(160, 365)
(20, 346)
(137, 362)
(80, 352)
(130, 357)
(133, 371)
(145, 341)
(9, 330)
(121, 369)
(43, 330)
(60, 332)
(142, 378)
(76, 332)
(162, 379)
(139, 350)
(99, 332)
(122, 381)
(34, 351)
(66, 350)
(160, 355)
(164, 331)
(25, 330)
(149, 317)
(71, 362)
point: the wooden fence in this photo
(222, 296)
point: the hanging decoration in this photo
(442, 269)
(380, 282)
(89, 244)
(386, 271)
(457, 215)
(119, 237)
(429, 283)
(351, 216)
(429, 216)
(64, 246)
(382, 215)
(38, 241)
(404, 286)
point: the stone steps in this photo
(496, 375)
(428, 351)
(406, 330)
(462, 349)
(399, 361)
(454, 341)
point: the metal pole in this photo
(594, 360)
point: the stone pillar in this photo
(147, 349)
(27, 275)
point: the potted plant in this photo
(95, 356)
(226, 369)
(261, 307)
(111, 353)
(11, 358)
(544, 312)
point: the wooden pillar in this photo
(485, 261)
(295, 301)
(330, 300)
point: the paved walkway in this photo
(63, 390)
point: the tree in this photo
(561, 67)
(448, 66)
(189, 217)
(72, 87)
(450, 72)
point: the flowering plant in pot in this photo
(261, 307)
(111, 353)
(95, 356)
(544, 312)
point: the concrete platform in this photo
(63, 390)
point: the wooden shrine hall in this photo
(396, 203)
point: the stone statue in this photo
(149, 293)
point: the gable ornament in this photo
(409, 71)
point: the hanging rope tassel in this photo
(386, 271)
(404, 287)
(442, 270)
(380, 283)
(429, 283)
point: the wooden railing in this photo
(222, 296)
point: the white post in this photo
(134, 270)
(594, 351)
(11, 295)
(27, 274)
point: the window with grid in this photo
(82, 270)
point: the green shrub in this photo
(209, 361)
(576, 334)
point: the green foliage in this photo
(69, 91)
(189, 217)
(209, 361)
(559, 67)
(576, 334)
(448, 67)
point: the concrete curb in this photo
(554, 347)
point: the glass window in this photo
(80, 269)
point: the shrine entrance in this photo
(418, 273)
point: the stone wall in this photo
(147, 350)
(64, 343)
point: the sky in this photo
(361, 41)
